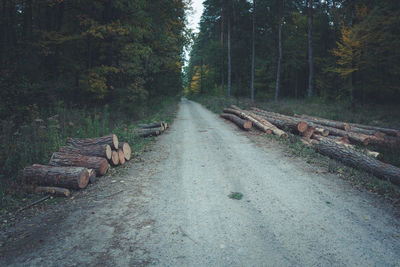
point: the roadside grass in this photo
(384, 116)
(35, 142)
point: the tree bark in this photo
(278, 72)
(253, 53)
(126, 149)
(103, 151)
(282, 121)
(310, 50)
(243, 115)
(149, 132)
(222, 47)
(359, 160)
(100, 165)
(68, 177)
(229, 56)
(111, 140)
(325, 122)
(57, 191)
(151, 125)
(243, 124)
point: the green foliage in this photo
(354, 48)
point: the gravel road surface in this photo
(173, 209)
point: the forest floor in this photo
(172, 208)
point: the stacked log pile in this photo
(152, 129)
(77, 164)
(332, 138)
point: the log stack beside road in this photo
(338, 140)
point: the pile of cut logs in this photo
(152, 129)
(331, 138)
(77, 164)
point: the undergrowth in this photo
(35, 141)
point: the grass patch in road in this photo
(235, 195)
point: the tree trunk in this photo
(100, 165)
(325, 122)
(388, 131)
(243, 124)
(275, 130)
(278, 72)
(121, 156)
(114, 158)
(68, 177)
(282, 123)
(57, 191)
(222, 47)
(148, 132)
(126, 149)
(103, 151)
(253, 54)
(229, 57)
(244, 115)
(151, 125)
(111, 140)
(359, 160)
(310, 50)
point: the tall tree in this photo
(253, 52)
(222, 45)
(229, 55)
(310, 50)
(280, 56)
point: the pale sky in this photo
(194, 17)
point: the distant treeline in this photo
(83, 52)
(346, 50)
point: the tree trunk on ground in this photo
(111, 140)
(284, 122)
(151, 125)
(325, 122)
(310, 50)
(148, 132)
(238, 112)
(114, 158)
(359, 160)
(68, 177)
(103, 151)
(243, 124)
(126, 149)
(353, 137)
(100, 165)
(275, 130)
(388, 131)
(57, 191)
(253, 52)
(278, 72)
(260, 123)
(121, 156)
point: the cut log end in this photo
(247, 125)
(121, 156)
(115, 158)
(115, 141)
(108, 152)
(126, 148)
(83, 179)
(302, 126)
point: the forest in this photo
(334, 50)
(82, 68)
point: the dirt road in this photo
(173, 209)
